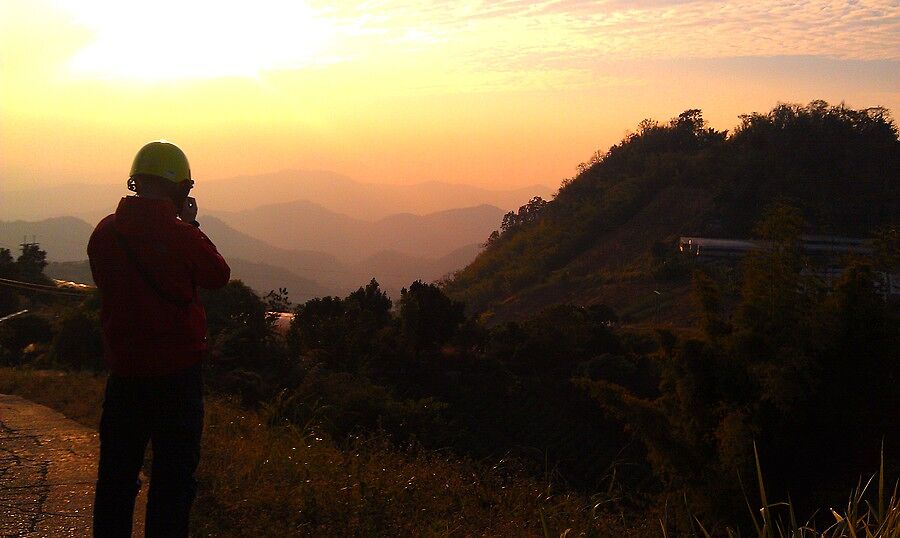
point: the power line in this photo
(13, 315)
(31, 286)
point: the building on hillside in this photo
(828, 246)
(828, 253)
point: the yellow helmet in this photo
(162, 159)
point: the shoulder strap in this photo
(168, 297)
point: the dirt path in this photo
(48, 465)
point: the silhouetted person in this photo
(147, 259)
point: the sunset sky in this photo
(492, 93)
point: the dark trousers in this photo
(168, 412)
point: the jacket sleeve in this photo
(92, 259)
(210, 269)
(95, 253)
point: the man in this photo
(147, 259)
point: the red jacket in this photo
(144, 334)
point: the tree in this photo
(372, 304)
(772, 284)
(428, 318)
(319, 323)
(78, 343)
(798, 371)
(239, 328)
(709, 297)
(527, 214)
(493, 238)
(348, 333)
(7, 264)
(31, 263)
(9, 301)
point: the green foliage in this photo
(7, 267)
(244, 354)
(667, 264)
(428, 318)
(556, 340)
(9, 301)
(347, 330)
(19, 332)
(31, 262)
(352, 365)
(343, 403)
(370, 311)
(709, 297)
(774, 295)
(318, 323)
(810, 377)
(28, 267)
(863, 515)
(237, 322)
(513, 220)
(835, 163)
(78, 344)
(261, 477)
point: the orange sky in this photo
(500, 93)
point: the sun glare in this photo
(172, 39)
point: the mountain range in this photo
(305, 272)
(308, 226)
(314, 232)
(363, 201)
(331, 191)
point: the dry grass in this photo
(76, 395)
(868, 514)
(261, 477)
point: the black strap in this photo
(168, 297)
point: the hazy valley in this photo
(302, 245)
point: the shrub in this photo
(78, 344)
(19, 332)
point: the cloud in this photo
(863, 30)
(520, 44)
(512, 43)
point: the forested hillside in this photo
(609, 235)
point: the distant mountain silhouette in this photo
(320, 267)
(93, 201)
(364, 201)
(306, 273)
(79, 271)
(308, 226)
(395, 270)
(64, 238)
(337, 193)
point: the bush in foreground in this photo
(286, 481)
(260, 479)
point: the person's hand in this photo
(189, 210)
